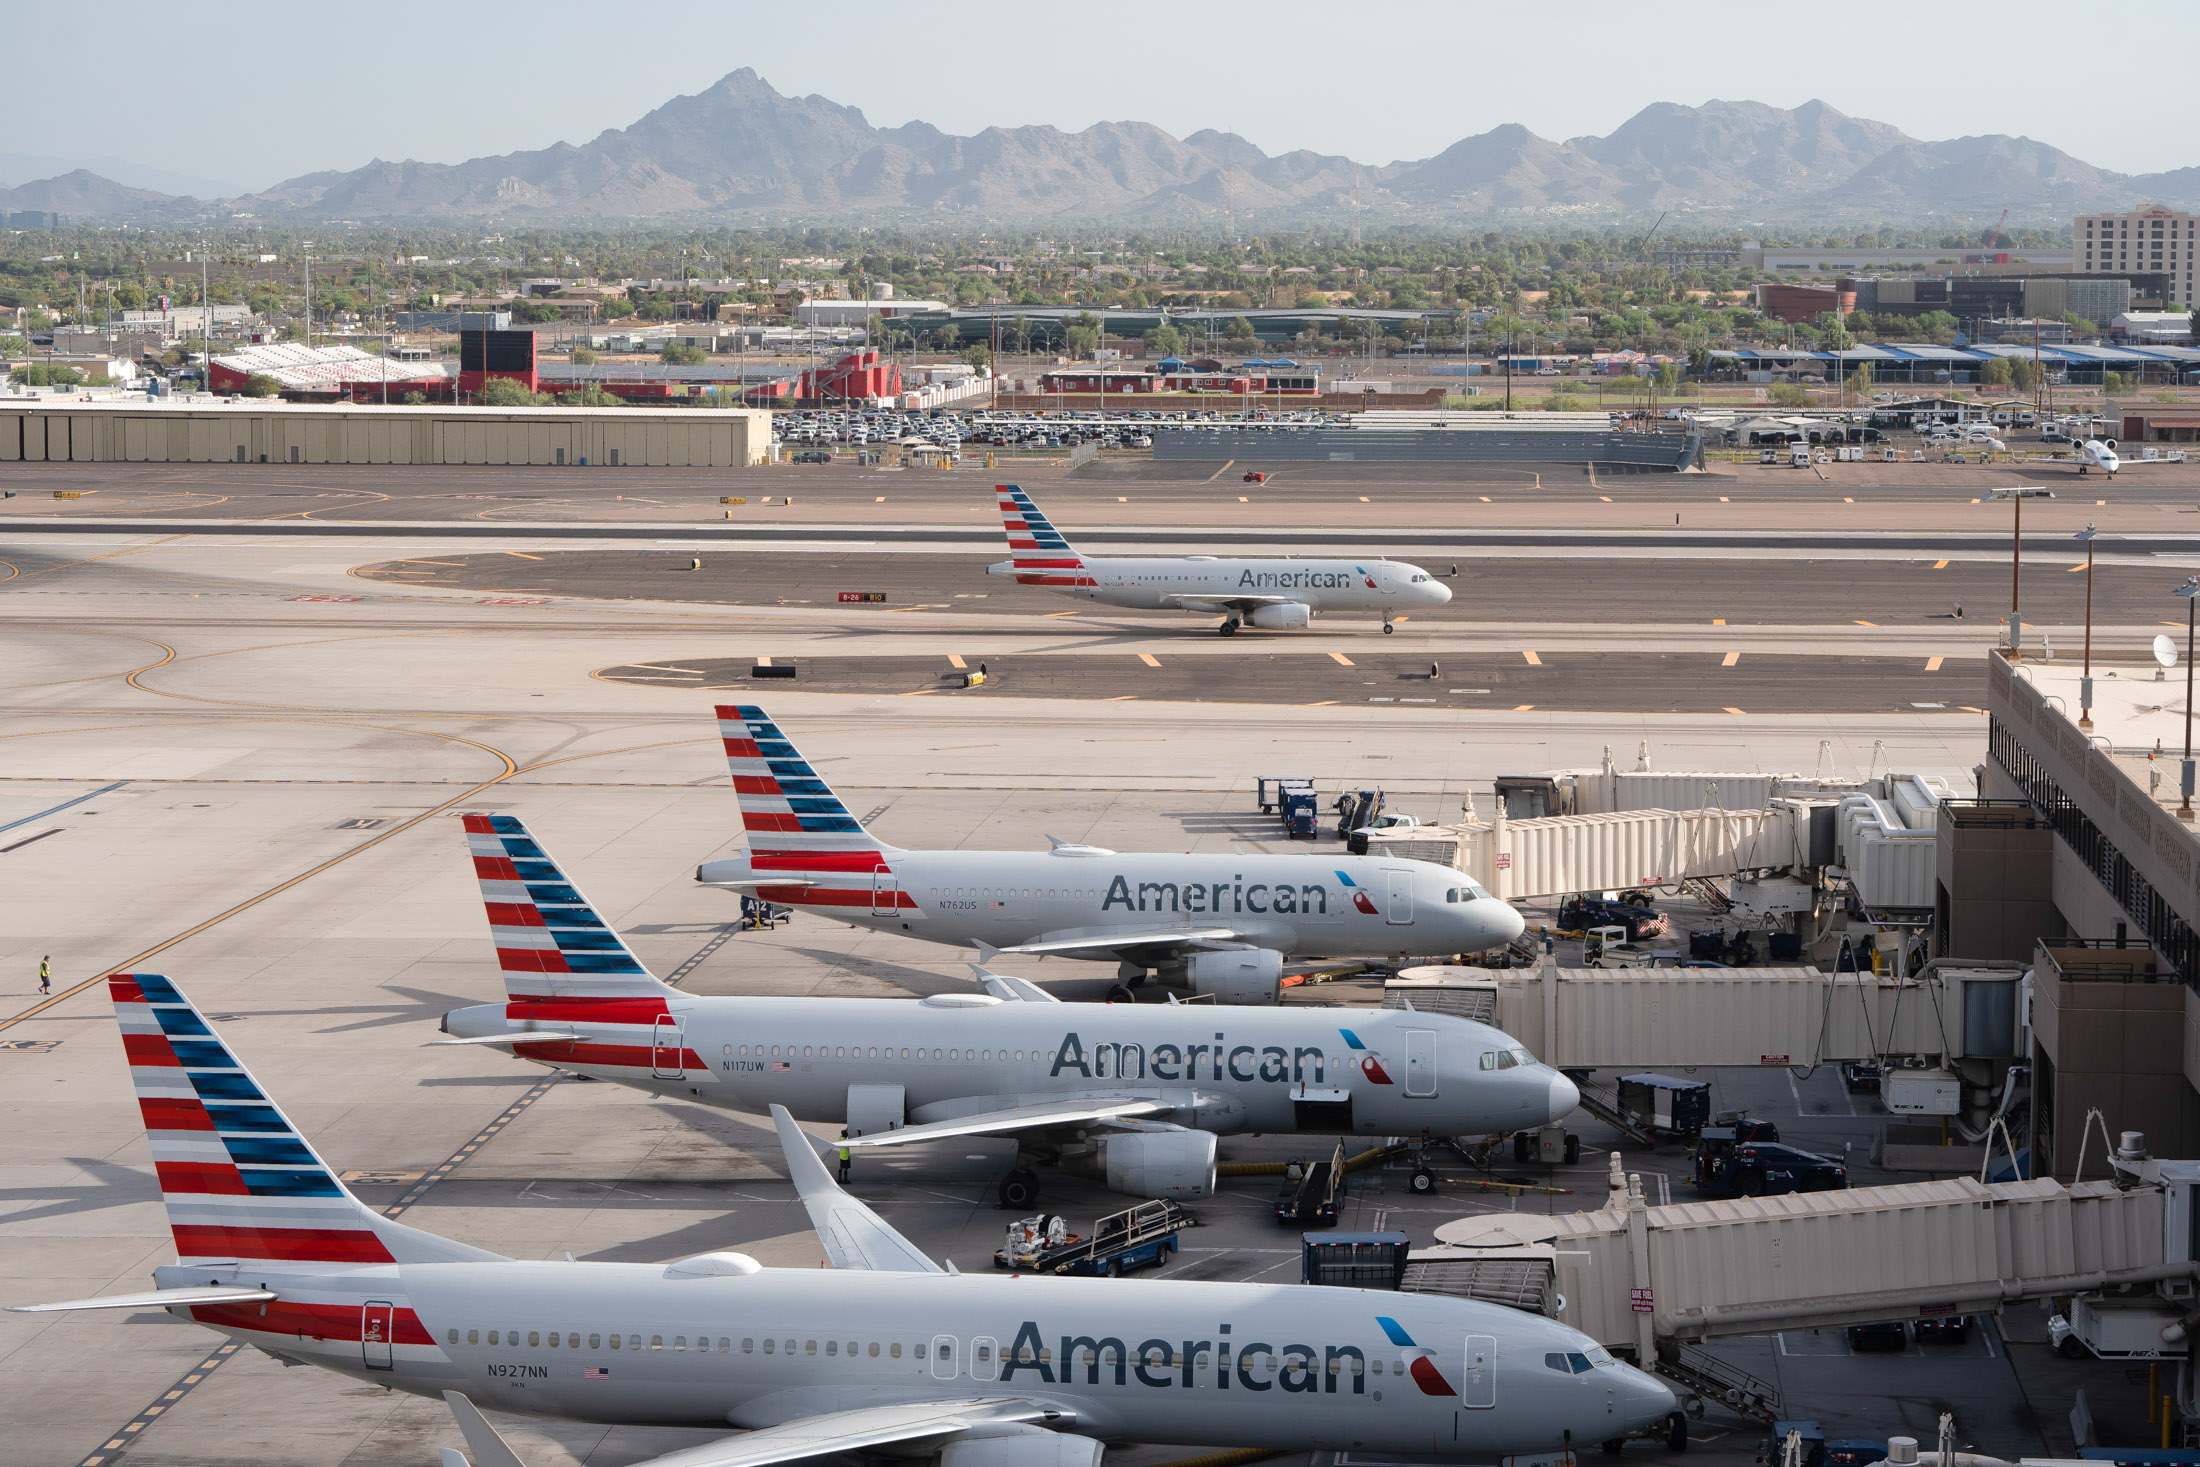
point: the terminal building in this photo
(2155, 240)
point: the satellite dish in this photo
(2165, 651)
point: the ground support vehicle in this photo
(1312, 1192)
(1727, 1166)
(1137, 1237)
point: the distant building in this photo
(855, 313)
(1803, 302)
(2023, 330)
(179, 321)
(330, 372)
(2156, 239)
(2163, 328)
(34, 219)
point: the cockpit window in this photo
(1473, 891)
(1418, 579)
(1571, 1362)
(1598, 1355)
(1506, 1059)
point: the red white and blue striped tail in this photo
(794, 820)
(240, 1183)
(551, 941)
(1037, 551)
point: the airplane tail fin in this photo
(241, 1184)
(1038, 553)
(794, 820)
(551, 942)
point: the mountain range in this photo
(741, 148)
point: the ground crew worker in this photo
(45, 974)
(845, 1156)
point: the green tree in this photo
(507, 392)
(1860, 380)
(583, 356)
(259, 384)
(129, 297)
(947, 337)
(415, 399)
(1788, 395)
(1669, 377)
(1997, 372)
(979, 356)
(1165, 341)
(1082, 341)
(2114, 382)
(36, 320)
(46, 374)
(683, 355)
(1239, 331)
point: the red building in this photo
(856, 377)
(1803, 302)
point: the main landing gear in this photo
(1020, 1189)
(1230, 626)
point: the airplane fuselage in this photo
(715, 1341)
(1380, 1072)
(1322, 906)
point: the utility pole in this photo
(309, 302)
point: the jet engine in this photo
(1287, 616)
(1243, 975)
(1173, 1163)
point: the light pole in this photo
(2017, 496)
(2085, 680)
(2191, 592)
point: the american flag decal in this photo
(596, 1372)
(781, 1065)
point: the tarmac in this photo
(237, 759)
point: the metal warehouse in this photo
(165, 431)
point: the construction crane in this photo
(1995, 233)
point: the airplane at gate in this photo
(1270, 592)
(1220, 924)
(985, 1370)
(1133, 1095)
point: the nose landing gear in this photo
(1388, 625)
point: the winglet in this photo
(489, 1449)
(986, 951)
(854, 1236)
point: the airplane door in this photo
(1400, 911)
(943, 1357)
(885, 893)
(1478, 1388)
(666, 1059)
(983, 1365)
(377, 1322)
(1420, 1062)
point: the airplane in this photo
(1132, 1095)
(1220, 924)
(1273, 593)
(984, 1369)
(2099, 453)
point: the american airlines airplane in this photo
(1271, 592)
(1132, 1095)
(986, 1370)
(1220, 924)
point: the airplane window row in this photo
(857, 1051)
(1506, 1059)
(1265, 1362)
(994, 891)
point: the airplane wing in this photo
(1195, 939)
(853, 1235)
(152, 1299)
(1194, 602)
(518, 1036)
(798, 1440)
(1010, 988)
(1016, 1118)
(757, 883)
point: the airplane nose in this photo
(1497, 919)
(1443, 592)
(1644, 1400)
(1565, 1096)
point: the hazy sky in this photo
(298, 88)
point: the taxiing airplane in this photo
(1270, 592)
(1129, 1094)
(1220, 924)
(885, 1351)
(2099, 453)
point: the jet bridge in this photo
(1661, 1018)
(1647, 1280)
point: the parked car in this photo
(1951, 1329)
